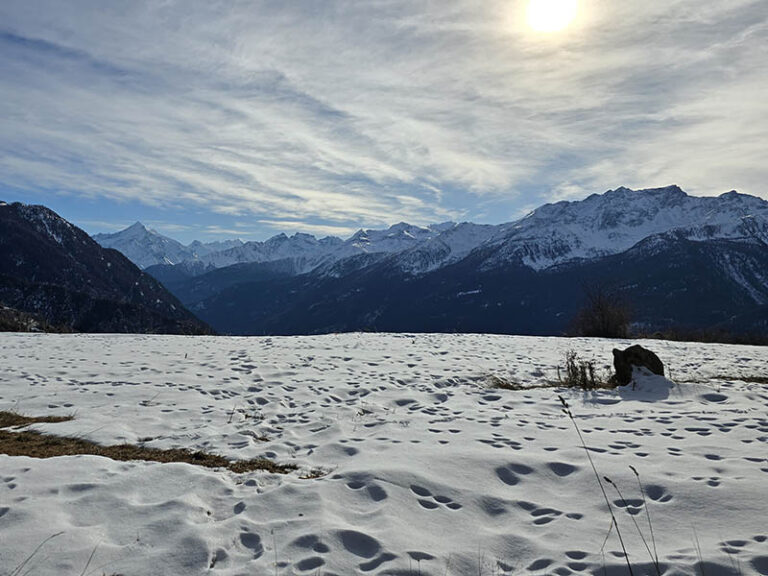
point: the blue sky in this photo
(210, 119)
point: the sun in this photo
(551, 15)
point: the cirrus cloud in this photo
(341, 114)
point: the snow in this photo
(600, 225)
(393, 240)
(754, 284)
(613, 222)
(427, 470)
(306, 251)
(45, 221)
(145, 247)
(450, 245)
(201, 249)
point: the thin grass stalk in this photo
(90, 558)
(448, 564)
(567, 411)
(16, 571)
(735, 565)
(605, 541)
(647, 514)
(274, 546)
(637, 527)
(698, 552)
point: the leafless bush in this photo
(604, 315)
(579, 373)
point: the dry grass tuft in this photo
(582, 374)
(748, 379)
(38, 445)
(501, 383)
(314, 474)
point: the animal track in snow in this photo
(430, 502)
(510, 474)
(657, 493)
(375, 492)
(253, 543)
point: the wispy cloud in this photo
(103, 226)
(340, 114)
(316, 229)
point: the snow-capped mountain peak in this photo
(145, 247)
(451, 244)
(615, 221)
(304, 250)
(396, 238)
(597, 226)
(201, 249)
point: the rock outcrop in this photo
(624, 360)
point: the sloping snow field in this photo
(426, 470)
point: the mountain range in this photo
(678, 260)
(54, 276)
(145, 247)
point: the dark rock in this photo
(634, 356)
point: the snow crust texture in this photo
(408, 462)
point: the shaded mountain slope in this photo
(668, 282)
(52, 269)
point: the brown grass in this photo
(501, 383)
(38, 445)
(729, 377)
(753, 379)
(493, 382)
(10, 419)
(314, 474)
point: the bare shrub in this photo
(579, 373)
(605, 314)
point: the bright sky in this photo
(247, 118)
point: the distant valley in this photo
(678, 261)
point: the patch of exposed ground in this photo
(39, 445)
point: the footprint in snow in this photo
(540, 564)
(541, 515)
(374, 563)
(311, 542)
(545, 515)
(430, 502)
(657, 493)
(310, 565)
(562, 469)
(358, 543)
(632, 505)
(253, 543)
(374, 491)
(509, 474)
(714, 397)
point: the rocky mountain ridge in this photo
(680, 261)
(598, 226)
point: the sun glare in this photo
(551, 15)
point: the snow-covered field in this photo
(426, 470)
